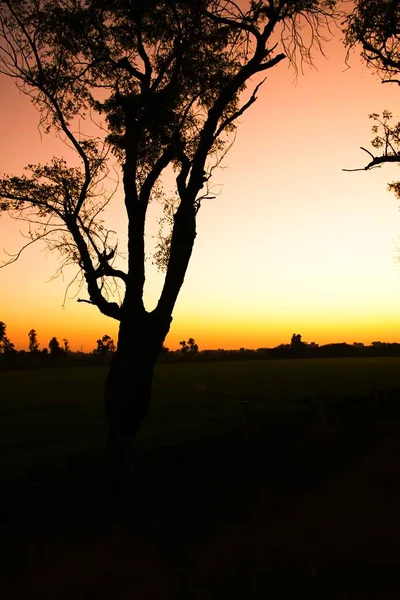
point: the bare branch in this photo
(240, 25)
(87, 301)
(367, 168)
(16, 256)
(239, 112)
(391, 81)
(368, 152)
(271, 63)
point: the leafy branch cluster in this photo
(374, 24)
(375, 27)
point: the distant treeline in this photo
(338, 350)
(296, 349)
(190, 352)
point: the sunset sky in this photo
(291, 243)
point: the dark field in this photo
(243, 470)
(49, 414)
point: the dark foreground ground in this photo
(237, 516)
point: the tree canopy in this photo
(374, 25)
(105, 345)
(165, 79)
(33, 341)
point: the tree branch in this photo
(31, 201)
(376, 161)
(124, 63)
(391, 81)
(386, 60)
(144, 56)
(184, 172)
(41, 86)
(87, 301)
(271, 63)
(111, 309)
(175, 53)
(32, 241)
(240, 25)
(104, 267)
(238, 113)
(155, 173)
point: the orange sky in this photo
(291, 244)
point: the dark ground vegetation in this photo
(234, 484)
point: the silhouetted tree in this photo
(193, 347)
(33, 343)
(374, 25)
(6, 346)
(166, 77)
(296, 342)
(185, 347)
(55, 348)
(189, 347)
(105, 345)
(66, 346)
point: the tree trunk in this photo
(129, 383)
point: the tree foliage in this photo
(66, 348)
(105, 345)
(55, 348)
(6, 346)
(374, 25)
(165, 77)
(189, 347)
(296, 342)
(33, 341)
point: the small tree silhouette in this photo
(6, 346)
(296, 341)
(185, 347)
(55, 348)
(189, 347)
(105, 345)
(33, 343)
(193, 347)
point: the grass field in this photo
(51, 415)
(210, 513)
